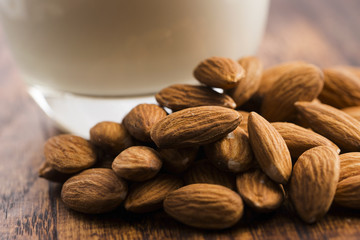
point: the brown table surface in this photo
(323, 32)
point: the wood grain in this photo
(323, 32)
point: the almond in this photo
(149, 196)
(348, 189)
(334, 124)
(96, 190)
(269, 148)
(353, 111)
(259, 191)
(231, 153)
(204, 172)
(110, 136)
(244, 121)
(194, 126)
(246, 88)
(313, 182)
(138, 163)
(141, 119)
(299, 139)
(49, 173)
(177, 160)
(348, 192)
(181, 96)
(341, 88)
(205, 206)
(68, 153)
(349, 165)
(272, 74)
(303, 82)
(219, 72)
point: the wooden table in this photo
(322, 32)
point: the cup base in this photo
(76, 114)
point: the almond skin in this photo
(96, 190)
(247, 86)
(269, 148)
(231, 153)
(205, 206)
(348, 189)
(348, 192)
(110, 136)
(349, 165)
(203, 172)
(341, 89)
(194, 126)
(177, 160)
(353, 111)
(141, 119)
(68, 153)
(299, 139)
(313, 182)
(272, 74)
(334, 124)
(49, 173)
(149, 196)
(301, 83)
(244, 121)
(181, 96)
(219, 72)
(353, 69)
(259, 191)
(138, 163)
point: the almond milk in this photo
(125, 47)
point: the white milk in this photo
(126, 47)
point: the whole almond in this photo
(334, 124)
(349, 165)
(313, 182)
(205, 206)
(194, 126)
(141, 119)
(219, 72)
(177, 160)
(353, 111)
(341, 88)
(138, 163)
(272, 74)
(203, 172)
(181, 96)
(110, 136)
(231, 153)
(269, 148)
(259, 191)
(348, 192)
(302, 83)
(299, 139)
(96, 190)
(248, 85)
(149, 196)
(68, 153)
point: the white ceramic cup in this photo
(90, 60)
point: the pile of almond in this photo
(203, 162)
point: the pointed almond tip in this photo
(253, 114)
(299, 105)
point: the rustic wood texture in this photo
(323, 32)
